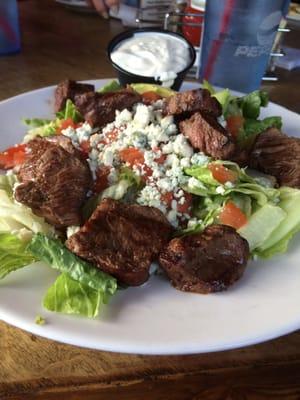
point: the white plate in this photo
(155, 318)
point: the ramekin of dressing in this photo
(151, 55)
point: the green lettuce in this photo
(16, 217)
(252, 102)
(261, 225)
(279, 240)
(69, 296)
(111, 86)
(57, 256)
(70, 111)
(42, 130)
(36, 122)
(248, 107)
(205, 184)
(13, 254)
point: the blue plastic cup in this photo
(237, 41)
(9, 27)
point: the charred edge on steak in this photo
(207, 135)
(53, 184)
(183, 104)
(279, 155)
(205, 262)
(99, 109)
(122, 240)
(68, 89)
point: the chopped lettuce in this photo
(16, 217)
(47, 129)
(13, 254)
(69, 296)
(262, 224)
(223, 97)
(36, 122)
(252, 102)
(57, 256)
(70, 111)
(289, 226)
(111, 86)
(248, 107)
(205, 185)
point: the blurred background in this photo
(66, 38)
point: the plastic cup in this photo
(9, 27)
(237, 41)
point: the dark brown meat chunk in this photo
(207, 135)
(55, 182)
(279, 155)
(186, 103)
(122, 240)
(99, 109)
(68, 90)
(206, 262)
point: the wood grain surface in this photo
(58, 43)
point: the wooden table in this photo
(57, 43)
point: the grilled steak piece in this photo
(207, 135)
(68, 90)
(99, 109)
(205, 262)
(122, 240)
(279, 155)
(55, 182)
(186, 103)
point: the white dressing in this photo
(153, 54)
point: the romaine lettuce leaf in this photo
(252, 102)
(57, 256)
(48, 129)
(205, 185)
(13, 254)
(289, 226)
(16, 217)
(36, 122)
(111, 86)
(69, 296)
(262, 224)
(70, 111)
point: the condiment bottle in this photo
(193, 20)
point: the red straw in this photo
(215, 49)
(7, 29)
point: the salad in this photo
(120, 178)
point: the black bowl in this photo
(126, 77)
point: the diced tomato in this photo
(185, 208)
(234, 124)
(150, 97)
(110, 137)
(13, 156)
(162, 158)
(85, 147)
(132, 156)
(167, 198)
(222, 174)
(147, 172)
(66, 123)
(232, 215)
(101, 182)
